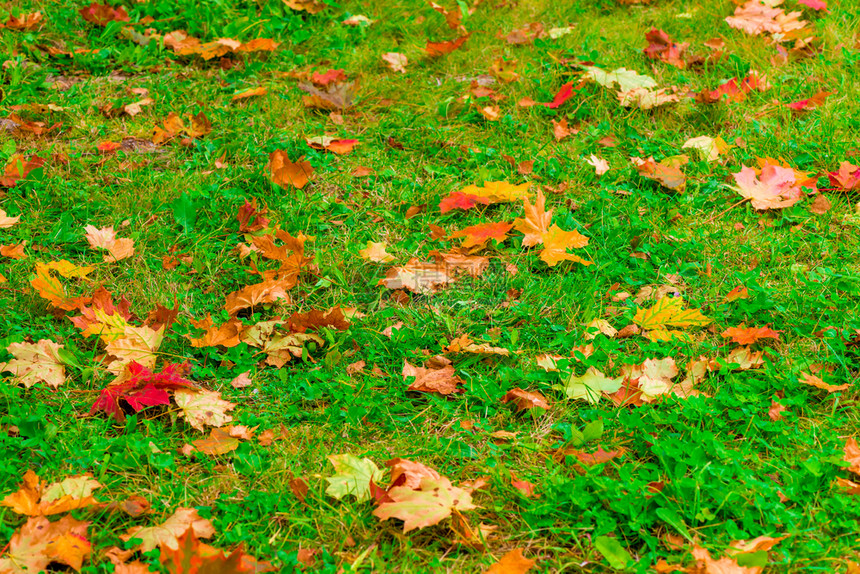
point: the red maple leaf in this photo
(458, 200)
(139, 388)
(327, 77)
(562, 96)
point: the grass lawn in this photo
(378, 287)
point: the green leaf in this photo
(353, 476)
(593, 430)
(185, 212)
(590, 386)
(612, 550)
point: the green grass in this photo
(723, 460)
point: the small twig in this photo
(728, 209)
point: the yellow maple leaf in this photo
(498, 191)
(536, 222)
(669, 312)
(557, 241)
(375, 251)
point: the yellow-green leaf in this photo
(669, 312)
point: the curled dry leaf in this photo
(436, 376)
(812, 380)
(525, 400)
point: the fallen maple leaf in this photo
(286, 172)
(709, 148)
(755, 17)
(812, 380)
(409, 473)
(459, 200)
(556, 242)
(536, 222)
(564, 93)
(352, 476)
(749, 335)
(203, 408)
(776, 188)
(669, 312)
(35, 363)
(249, 93)
(600, 165)
(29, 21)
(662, 47)
(219, 441)
(811, 102)
(337, 96)
(375, 251)
(478, 235)
(511, 563)
(397, 62)
(138, 387)
(852, 455)
(262, 293)
(17, 169)
(7, 222)
(166, 535)
(35, 498)
(339, 147)
(102, 14)
(653, 377)
(436, 49)
(437, 376)
(309, 6)
(667, 172)
(105, 238)
(193, 557)
(590, 386)
(40, 542)
(434, 500)
(228, 334)
(627, 80)
(525, 400)
(846, 178)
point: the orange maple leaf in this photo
(536, 222)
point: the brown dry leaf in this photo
(852, 455)
(166, 534)
(286, 172)
(525, 400)
(560, 130)
(436, 49)
(808, 379)
(249, 93)
(242, 381)
(820, 205)
(13, 251)
(511, 563)
(436, 376)
(504, 70)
